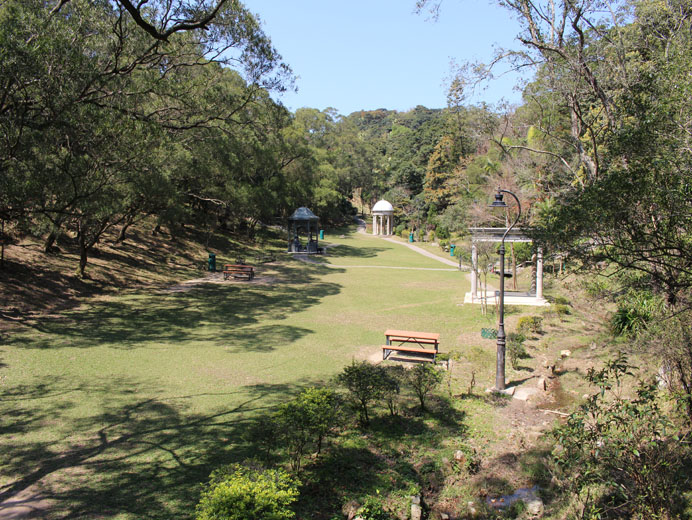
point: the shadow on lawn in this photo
(147, 458)
(228, 314)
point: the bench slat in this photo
(410, 349)
(412, 334)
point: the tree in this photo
(366, 383)
(423, 379)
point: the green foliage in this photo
(523, 251)
(365, 383)
(561, 300)
(308, 418)
(560, 309)
(622, 457)
(395, 375)
(242, 493)
(530, 325)
(515, 348)
(423, 379)
(634, 312)
(372, 509)
(597, 288)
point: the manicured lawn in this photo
(119, 409)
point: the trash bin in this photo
(451, 249)
(410, 237)
(321, 234)
(212, 262)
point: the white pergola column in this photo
(374, 224)
(539, 273)
(390, 221)
(474, 272)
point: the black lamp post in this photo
(501, 337)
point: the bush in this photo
(530, 325)
(560, 309)
(515, 348)
(404, 233)
(560, 300)
(634, 312)
(622, 458)
(307, 419)
(394, 376)
(365, 383)
(597, 289)
(372, 509)
(423, 378)
(241, 493)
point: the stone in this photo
(415, 499)
(472, 509)
(565, 353)
(542, 384)
(349, 509)
(444, 516)
(459, 456)
(534, 507)
(416, 512)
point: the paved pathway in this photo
(426, 253)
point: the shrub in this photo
(365, 383)
(560, 300)
(372, 509)
(241, 493)
(597, 289)
(308, 418)
(404, 233)
(530, 325)
(423, 378)
(634, 312)
(622, 458)
(394, 375)
(515, 348)
(560, 309)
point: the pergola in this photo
(479, 235)
(382, 218)
(303, 220)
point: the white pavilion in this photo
(382, 218)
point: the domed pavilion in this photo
(382, 218)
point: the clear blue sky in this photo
(363, 55)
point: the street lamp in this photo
(501, 337)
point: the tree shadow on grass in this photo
(347, 473)
(346, 251)
(229, 315)
(142, 457)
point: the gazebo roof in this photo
(495, 235)
(383, 206)
(304, 214)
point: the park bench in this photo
(238, 271)
(422, 345)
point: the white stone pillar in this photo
(539, 273)
(390, 221)
(374, 225)
(474, 272)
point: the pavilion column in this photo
(474, 272)
(374, 224)
(539, 273)
(389, 224)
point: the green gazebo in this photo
(303, 221)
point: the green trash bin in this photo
(451, 249)
(410, 237)
(212, 262)
(321, 234)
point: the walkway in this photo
(427, 253)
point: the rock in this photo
(349, 509)
(565, 353)
(459, 456)
(534, 507)
(444, 516)
(472, 509)
(415, 499)
(416, 512)
(542, 384)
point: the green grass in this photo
(119, 409)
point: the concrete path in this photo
(427, 253)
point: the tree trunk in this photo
(156, 230)
(2, 244)
(83, 252)
(123, 231)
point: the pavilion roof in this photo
(304, 214)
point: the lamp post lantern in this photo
(501, 336)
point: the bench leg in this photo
(386, 353)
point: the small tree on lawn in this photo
(241, 493)
(424, 379)
(307, 418)
(394, 375)
(365, 383)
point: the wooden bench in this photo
(238, 271)
(423, 344)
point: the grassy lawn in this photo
(120, 408)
